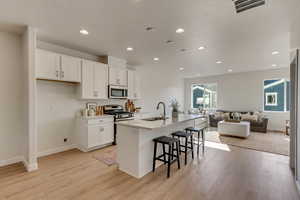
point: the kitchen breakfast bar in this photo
(135, 141)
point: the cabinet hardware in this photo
(62, 74)
(57, 73)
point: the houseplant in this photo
(175, 107)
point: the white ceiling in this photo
(243, 41)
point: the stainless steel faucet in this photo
(164, 105)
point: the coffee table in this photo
(237, 129)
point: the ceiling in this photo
(243, 42)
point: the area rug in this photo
(108, 156)
(272, 142)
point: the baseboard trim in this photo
(11, 161)
(276, 131)
(56, 150)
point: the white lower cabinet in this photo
(95, 133)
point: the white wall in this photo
(159, 84)
(243, 91)
(12, 123)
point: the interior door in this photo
(47, 65)
(100, 80)
(70, 69)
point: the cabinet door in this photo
(113, 76)
(131, 84)
(47, 65)
(123, 77)
(100, 81)
(137, 82)
(70, 69)
(95, 136)
(87, 84)
(108, 133)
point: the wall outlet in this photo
(65, 139)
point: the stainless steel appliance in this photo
(117, 92)
(119, 115)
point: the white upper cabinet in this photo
(70, 69)
(117, 70)
(94, 83)
(101, 80)
(53, 66)
(118, 76)
(47, 65)
(133, 85)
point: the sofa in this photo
(256, 125)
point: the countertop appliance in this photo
(119, 115)
(117, 92)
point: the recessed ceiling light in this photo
(274, 65)
(180, 30)
(129, 49)
(156, 59)
(229, 70)
(201, 48)
(275, 52)
(181, 68)
(219, 62)
(84, 32)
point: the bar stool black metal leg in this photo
(177, 149)
(198, 143)
(185, 150)
(169, 161)
(164, 152)
(192, 147)
(172, 152)
(154, 156)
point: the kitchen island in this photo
(135, 145)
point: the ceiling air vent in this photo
(243, 5)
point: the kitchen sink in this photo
(155, 118)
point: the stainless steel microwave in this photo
(117, 92)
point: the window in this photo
(204, 96)
(276, 95)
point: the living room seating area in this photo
(258, 123)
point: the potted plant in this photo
(175, 107)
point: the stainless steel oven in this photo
(117, 92)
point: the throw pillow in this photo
(226, 116)
(218, 115)
(248, 117)
(259, 115)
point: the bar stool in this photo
(198, 130)
(186, 136)
(171, 142)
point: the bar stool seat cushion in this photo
(165, 140)
(182, 134)
(194, 129)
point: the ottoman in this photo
(237, 129)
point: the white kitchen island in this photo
(135, 145)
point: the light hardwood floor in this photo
(238, 174)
